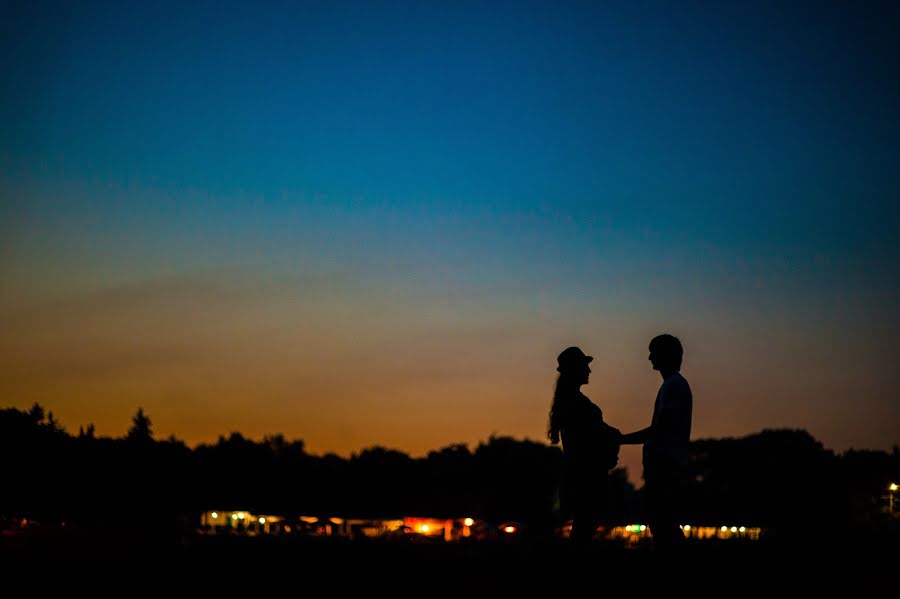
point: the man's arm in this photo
(637, 437)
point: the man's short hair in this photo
(667, 347)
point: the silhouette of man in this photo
(666, 442)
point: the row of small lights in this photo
(733, 529)
(636, 528)
(512, 529)
(686, 528)
(469, 522)
(424, 527)
(237, 516)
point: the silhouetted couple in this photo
(591, 447)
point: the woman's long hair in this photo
(561, 395)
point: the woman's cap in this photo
(572, 357)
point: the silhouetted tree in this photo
(36, 413)
(52, 423)
(776, 478)
(140, 430)
(517, 480)
(780, 479)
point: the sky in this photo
(378, 223)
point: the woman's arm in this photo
(637, 437)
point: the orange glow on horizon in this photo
(255, 358)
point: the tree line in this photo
(780, 479)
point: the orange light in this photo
(425, 528)
(509, 529)
(468, 522)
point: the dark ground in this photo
(114, 564)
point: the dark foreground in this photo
(113, 564)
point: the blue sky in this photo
(570, 171)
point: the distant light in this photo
(241, 515)
(687, 527)
(262, 520)
(724, 529)
(234, 516)
(742, 529)
(468, 522)
(509, 529)
(628, 528)
(215, 515)
(893, 487)
(734, 529)
(643, 527)
(425, 528)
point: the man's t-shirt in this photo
(667, 447)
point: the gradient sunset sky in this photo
(362, 223)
